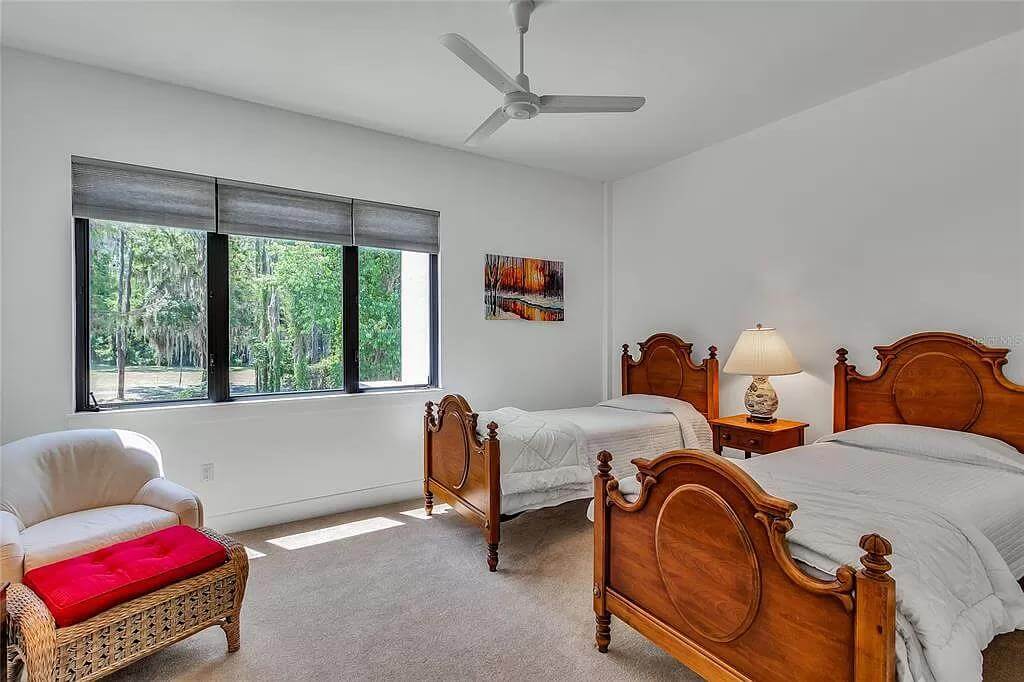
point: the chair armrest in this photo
(12, 554)
(164, 494)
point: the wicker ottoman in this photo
(121, 635)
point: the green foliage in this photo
(380, 315)
(285, 308)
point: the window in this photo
(285, 316)
(394, 318)
(195, 288)
(147, 313)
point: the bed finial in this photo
(841, 355)
(712, 352)
(625, 349)
(604, 466)
(430, 410)
(877, 548)
(492, 430)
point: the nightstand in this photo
(737, 432)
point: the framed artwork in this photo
(523, 289)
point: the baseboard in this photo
(258, 517)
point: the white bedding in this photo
(950, 503)
(549, 457)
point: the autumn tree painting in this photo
(523, 289)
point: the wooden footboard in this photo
(700, 565)
(463, 470)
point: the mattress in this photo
(627, 434)
(991, 499)
(549, 456)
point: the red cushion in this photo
(77, 589)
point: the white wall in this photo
(895, 209)
(287, 451)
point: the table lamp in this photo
(761, 352)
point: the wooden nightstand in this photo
(737, 432)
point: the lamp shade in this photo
(761, 352)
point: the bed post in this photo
(839, 392)
(625, 369)
(711, 366)
(428, 422)
(492, 529)
(601, 540)
(875, 609)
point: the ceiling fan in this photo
(520, 103)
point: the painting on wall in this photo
(523, 289)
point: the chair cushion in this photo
(84, 531)
(77, 589)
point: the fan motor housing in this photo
(521, 105)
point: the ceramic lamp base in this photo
(761, 401)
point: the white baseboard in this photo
(258, 517)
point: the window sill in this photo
(262, 405)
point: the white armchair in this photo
(68, 493)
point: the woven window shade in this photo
(261, 211)
(104, 190)
(387, 226)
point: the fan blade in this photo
(578, 104)
(481, 63)
(487, 128)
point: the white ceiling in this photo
(709, 70)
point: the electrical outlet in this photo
(207, 472)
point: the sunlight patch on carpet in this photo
(332, 533)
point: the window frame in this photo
(217, 321)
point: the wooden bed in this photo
(464, 470)
(724, 596)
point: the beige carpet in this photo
(415, 602)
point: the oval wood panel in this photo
(664, 372)
(938, 389)
(451, 438)
(707, 563)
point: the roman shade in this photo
(104, 190)
(388, 226)
(260, 211)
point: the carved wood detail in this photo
(937, 379)
(727, 570)
(701, 566)
(666, 368)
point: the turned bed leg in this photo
(428, 502)
(603, 635)
(492, 556)
(604, 632)
(492, 529)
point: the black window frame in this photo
(218, 365)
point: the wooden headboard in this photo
(932, 379)
(666, 368)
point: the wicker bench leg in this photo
(233, 633)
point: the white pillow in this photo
(641, 402)
(932, 443)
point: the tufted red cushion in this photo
(78, 588)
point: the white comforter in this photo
(951, 504)
(558, 448)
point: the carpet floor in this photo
(379, 594)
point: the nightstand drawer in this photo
(742, 440)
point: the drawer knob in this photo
(726, 436)
(752, 441)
